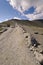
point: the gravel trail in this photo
(13, 48)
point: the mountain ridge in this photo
(38, 22)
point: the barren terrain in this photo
(16, 45)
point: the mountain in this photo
(38, 23)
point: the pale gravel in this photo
(13, 48)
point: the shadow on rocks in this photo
(34, 42)
(41, 62)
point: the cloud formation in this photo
(17, 18)
(22, 5)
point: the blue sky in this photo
(11, 9)
(30, 10)
(7, 12)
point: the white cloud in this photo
(34, 16)
(6, 19)
(17, 18)
(3, 20)
(22, 5)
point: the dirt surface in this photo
(33, 30)
(14, 49)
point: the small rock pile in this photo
(37, 50)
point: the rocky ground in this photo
(16, 48)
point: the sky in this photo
(21, 9)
